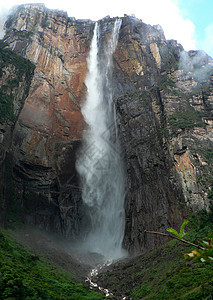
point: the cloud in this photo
(169, 16)
(3, 16)
(207, 42)
(197, 63)
(164, 12)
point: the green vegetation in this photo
(182, 280)
(19, 69)
(26, 276)
(144, 96)
(187, 119)
(207, 154)
(23, 34)
(181, 234)
(203, 251)
(164, 273)
(205, 254)
(210, 195)
(203, 87)
(193, 281)
(167, 84)
(200, 225)
(203, 159)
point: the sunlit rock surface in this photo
(164, 100)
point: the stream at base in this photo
(94, 286)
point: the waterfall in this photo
(99, 164)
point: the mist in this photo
(4, 12)
(199, 63)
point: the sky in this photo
(190, 22)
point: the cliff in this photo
(164, 100)
(165, 119)
(50, 123)
(15, 78)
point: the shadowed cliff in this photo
(164, 99)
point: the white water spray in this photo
(100, 165)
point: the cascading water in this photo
(100, 165)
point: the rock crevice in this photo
(164, 100)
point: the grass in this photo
(26, 276)
(164, 273)
(190, 282)
(171, 277)
(179, 279)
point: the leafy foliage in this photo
(183, 280)
(200, 225)
(202, 255)
(182, 233)
(26, 276)
(205, 253)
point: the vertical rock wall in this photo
(15, 78)
(164, 112)
(164, 109)
(50, 124)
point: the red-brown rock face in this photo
(164, 112)
(50, 123)
(58, 47)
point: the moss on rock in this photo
(15, 69)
